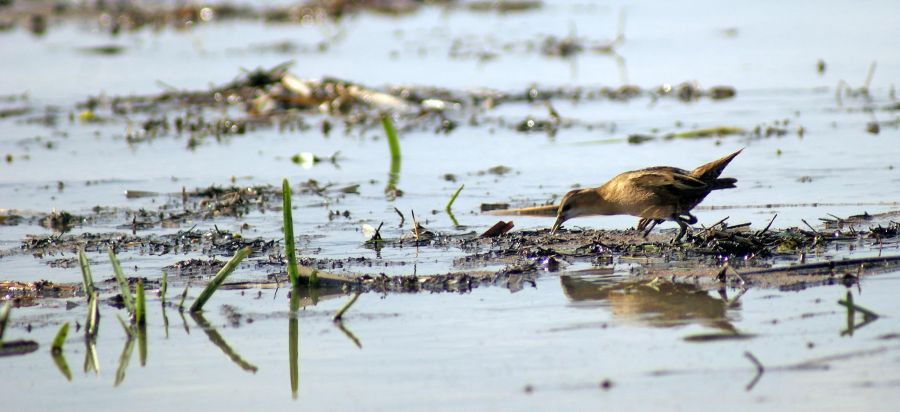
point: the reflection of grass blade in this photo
(142, 343)
(92, 324)
(91, 327)
(453, 199)
(348, 334)
(294, 342)
(128, 329)
(140, 306)
(217, 340)
(452, 218)
(91, 363)
(184, 323)
(165, 321)
(124, 358)
(123, 283)
(56, 350)
(220, 277)
(86, 278)
(60, 360)
(60, 338)
(183, 297)
(289, 247)
(4, 317)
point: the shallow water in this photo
(543, 347)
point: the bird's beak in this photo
(556, 225)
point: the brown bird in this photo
(654, 194)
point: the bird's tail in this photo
(723, 183)
(710, 171)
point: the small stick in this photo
(733, 270)
(869, 76)
(338, 317)
(415, 225)
(766, 229)
(810, 227)
(709, 229)
(402, 219)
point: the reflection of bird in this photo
(655, 194)
(658, 303)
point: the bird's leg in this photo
(642, 224)
(691, 219)
(653, 223)
(682, 223)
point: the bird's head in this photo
(574, 204)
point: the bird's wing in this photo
(669, 185)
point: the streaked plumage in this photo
(654, 194)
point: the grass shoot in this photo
(214, 284)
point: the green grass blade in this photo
(140, 306)
(289, 247)
(86, 278)
(127, 300)
(391, 133)
(4, 317)
(163, 286)
(60, 338)
(453, 199)
(220, 277)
